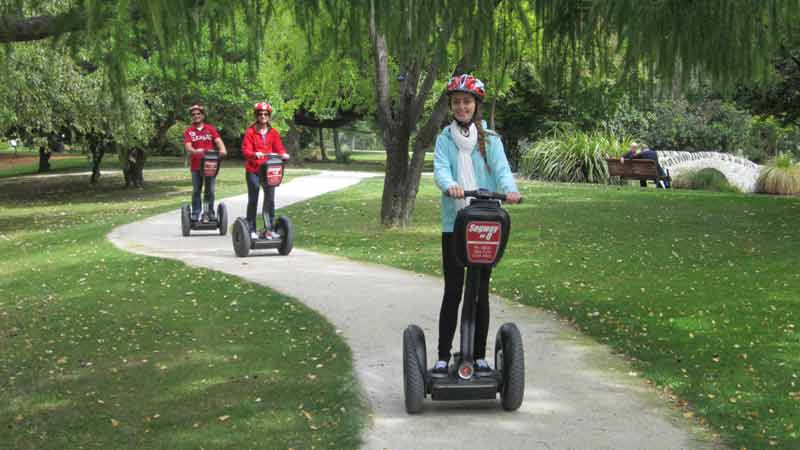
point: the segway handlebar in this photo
(483, 194)
(276, 155)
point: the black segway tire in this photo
(283, 226)
(414, 360)
(222, 219)
(509, 359)
(186, 220)
(241, 237)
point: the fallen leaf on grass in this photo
(223, 418)
(114, 423)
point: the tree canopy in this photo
(392, 56)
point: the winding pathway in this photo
(577, 395)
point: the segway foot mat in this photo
(210, 225)
(261, 243)
(484, 388)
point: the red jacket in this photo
(253, 142)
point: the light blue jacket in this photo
(445, 171)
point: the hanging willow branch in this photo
(670, 40)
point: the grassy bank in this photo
(699, 289)
(100, 348)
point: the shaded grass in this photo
(698, 289)
(104, 349)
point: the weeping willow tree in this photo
(413, 46)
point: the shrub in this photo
(704, 179)
(780, 176)
(572, 156)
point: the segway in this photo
(480, 234)
(270, 174)
(206, 221)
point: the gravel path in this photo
(577, 395)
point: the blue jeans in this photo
(253, 186)
(197, 186)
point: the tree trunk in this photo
(44, 159)
(398, 118)
(337, 148)
(159, 140)
(394, 201)
(291, 141)
(322, 144)
(132, 160)
(97, 157)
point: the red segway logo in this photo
(210, 168)
(274, 175)
(483, 241)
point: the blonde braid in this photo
(476, 118)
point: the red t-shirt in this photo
(256, 142)
(200, 139)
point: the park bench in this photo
(635, 169)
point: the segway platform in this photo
(454, 388)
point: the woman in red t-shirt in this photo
(260, 139)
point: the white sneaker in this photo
(253, 235)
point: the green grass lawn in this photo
(103, 349)
(698, 289)
(75, 162)
(359, 161)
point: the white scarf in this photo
(466, 145)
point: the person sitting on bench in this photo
(646, 153)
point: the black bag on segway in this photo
(271, 172)
(481, 233)
(210, 164)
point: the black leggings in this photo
(448, 314)
(253, 185)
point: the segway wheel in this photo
(222, 218)
(414, 367)
(241, 237)
(283, 226)
(186, 220)
(509, 359)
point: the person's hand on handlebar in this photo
(455, 191)
(513, 197)
(285, 156)
(260, 155)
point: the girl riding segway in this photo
(261, 140)
(467, 157)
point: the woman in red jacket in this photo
(260, 139)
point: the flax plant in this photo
(572, 156)
(780, 176)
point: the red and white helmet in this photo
(466, 83)
(262, 106)
(198, 107)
